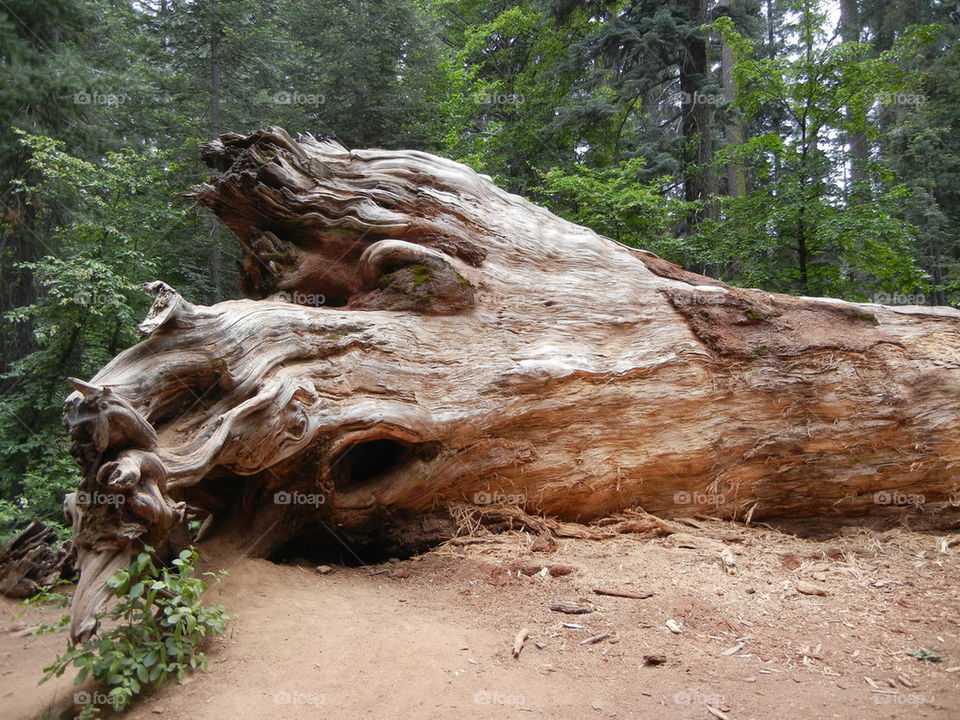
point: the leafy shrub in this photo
(163, 624)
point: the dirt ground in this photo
(432, 636)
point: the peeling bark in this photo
(460, 345)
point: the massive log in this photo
(417, 339)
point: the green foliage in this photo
(510, 89)
(927, 655)
(111, 229)
(798, 231)
(163, 622)
(920, 142)
(614, 203)
(853, 251)
(49, 598)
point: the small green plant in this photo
(924, 654)
(46, 598)
(163, 623)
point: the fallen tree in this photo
(417, 340)
(31, 560)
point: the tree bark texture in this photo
(416, 339)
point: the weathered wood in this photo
(419, 339)
(30, 560)
(622, 593)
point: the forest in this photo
(471, 358)
(802, 147)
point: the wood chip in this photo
(595, 639)
(544, 543)
(692, 542)
(733, 651)
(674, 627)
(530, 568)
(622, 593)
(905, 681)
(519, 640)
(470, 540)
(729, 561)
(809, 588)
(717, 713)
(571, 608)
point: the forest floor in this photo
(432, 636)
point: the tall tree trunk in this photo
(699, 183)
(421, 341)
(859, 147)
(216, 253)
(733, 130)
(776, 124)
(215, 66)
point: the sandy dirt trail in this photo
(431, 637)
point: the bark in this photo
(31, 560)
(733, 127)
(859, 147)
(696, 126)
(419, 342)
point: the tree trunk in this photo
(697, 119)
(419, 340)
(733, 129)
(859, 147)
